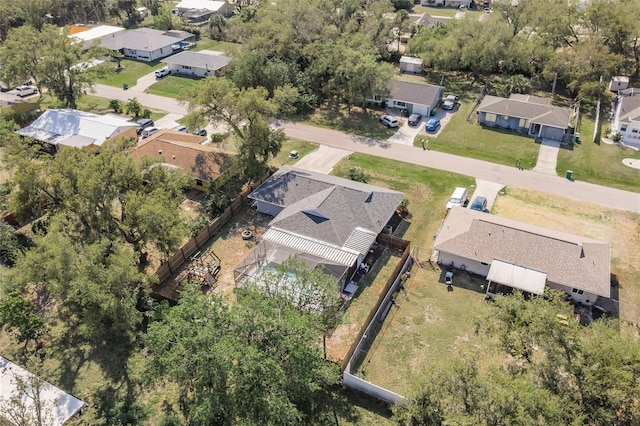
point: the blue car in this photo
(432, 125)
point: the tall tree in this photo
(104, 196)
(257, 361)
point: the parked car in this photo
(414, 119)
(450, 102)
(23, 91)
(143, 124)
(200, 131)
(162, 72)
(149, 131)
(479, 203)
(432, 125)
(458, 198)
(181, 128)
(389, 121)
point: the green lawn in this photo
(599, 163)
(130, 73)
(221, 46)
(466, 139)
(172, 86)
(92, 104)
(334, 115)
(303, 148)
(442, 11)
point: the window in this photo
(401, 104)
(490, 117)
(485, 264)
(523, 122)
(634, 131)
(623, 128)
(575, 290)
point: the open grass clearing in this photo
(449, 12)
(599, 163)
(228, 48)
(335, 115)
(130, 73)
(96, 105)
(173, 86)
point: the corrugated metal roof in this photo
(519, 277)
(313, 247)
(360, 240)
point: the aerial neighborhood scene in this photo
(319, 212)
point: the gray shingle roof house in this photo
(493, 246)
(332, 220)
(201, 64)
(415, 97)
(146, 44)
(527, 114)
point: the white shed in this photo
(618, 82)
(411, 65)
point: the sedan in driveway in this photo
(432, 125)
(479, 203)
(414, 119)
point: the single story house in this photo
(207, 6)
(626, 120)
(523, 256)
(426, 20)
(526, 114)
(147, 44)
(199, 64)
(323, 220)
(618, 82)
(80, 129)
(89, 36)
(56, 405)
(411, 65)
(414, 97)
(184, 150)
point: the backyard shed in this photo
(410, 64)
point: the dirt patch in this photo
(619, 227)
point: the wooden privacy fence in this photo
(190, 247)
(400, 243)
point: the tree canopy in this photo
(551, 371)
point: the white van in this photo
(149, 131)
(162, 72)
(458, 198)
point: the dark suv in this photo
(143, 124)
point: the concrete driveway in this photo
(322, 159)
(406, 134)
(547, 157)
(169, 121)
(144, 82)
(488, 190)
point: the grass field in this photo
(130, 73)
(172, 86)
(93, 104)
(220, 46)
(599, 163)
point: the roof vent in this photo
(369, 197)
(159, 152)
(173, 156)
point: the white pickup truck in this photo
(23, 91)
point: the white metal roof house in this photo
(415, 97)
(626, 120)
(146, 44)
(70, 127)
(320, 219)
(93, 35)
(208, 6)
(18, 384)
(526, 114)
(198, 64)
(524, 256)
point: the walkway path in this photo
(484, 170)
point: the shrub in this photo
(115, 105)
(357, 174)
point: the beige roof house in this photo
(568, 260)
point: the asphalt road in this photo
(581, 191)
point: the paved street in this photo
(437, 160)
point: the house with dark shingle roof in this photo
(526, 114)
(417, 98)
(185, 151)
(322, 220)
(198, 64)
(524, 256)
